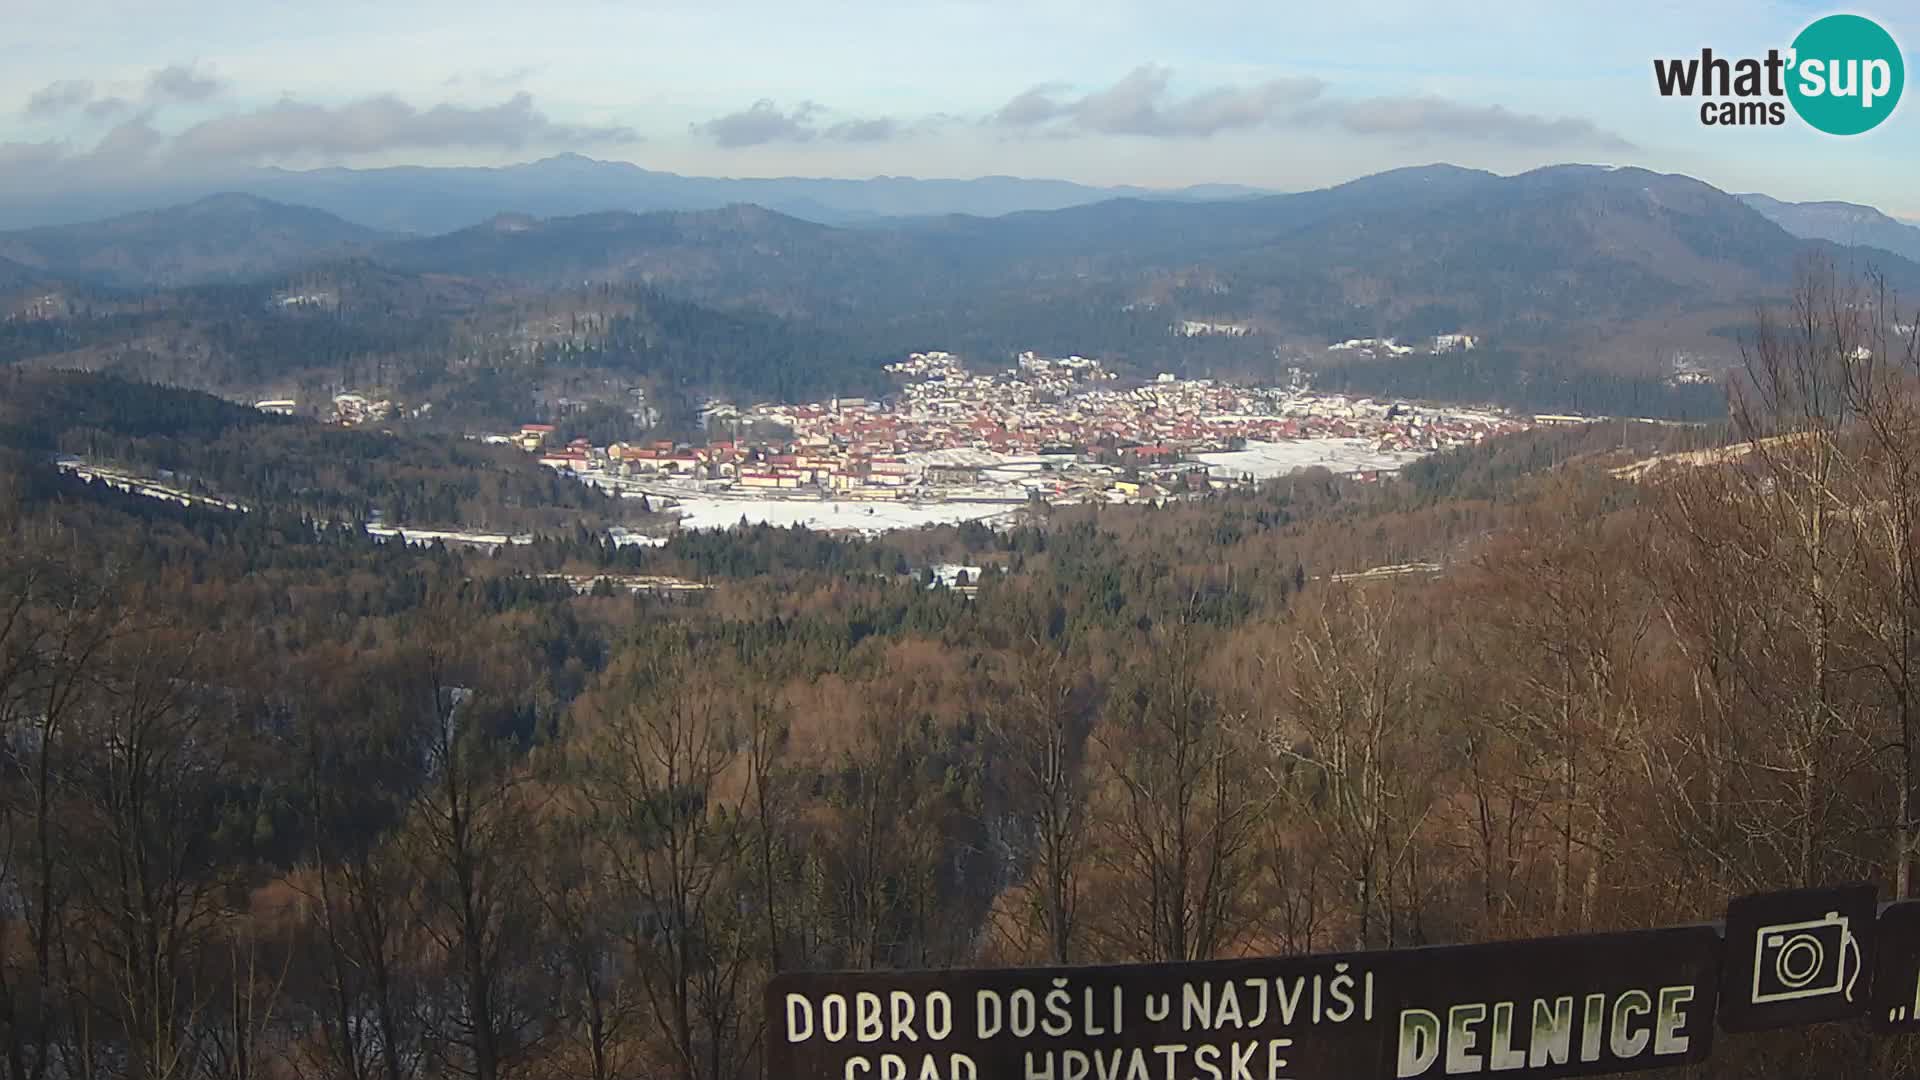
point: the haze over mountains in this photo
(1417, 235)
(430, 200)
(1556, 271)
(1841, 222)
(433, 200)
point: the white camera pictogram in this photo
(1795, 961)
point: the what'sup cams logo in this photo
(1843, 75)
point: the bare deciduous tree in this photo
(1042, 731)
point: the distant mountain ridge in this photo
(1618, 270)
(740, 255)
(571, 184)
(226, 236)
(1848, 224)
(1360, 254)
(432, 201)
(1607, 239)
(423, 199)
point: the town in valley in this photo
(962, 444)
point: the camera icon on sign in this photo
(1795, 961)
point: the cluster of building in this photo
(43, 308)
(1197, 328)
(360, 409)
(1076, 406)
(1056, 428)
(1382, 348)
(1688, 369)
(346, 409)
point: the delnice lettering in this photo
(1842, 75)
(1502, 1036)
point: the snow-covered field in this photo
(140, 485)
(878, 517)
(426, 537)
(1266, 460)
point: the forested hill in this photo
(221, 237)
(1842, 223)
(206, 446)
(1576, 275)
(38, 409)
(1559, 719)
(480, 351)
(14, 277)
(739, 255)
(1537, 259)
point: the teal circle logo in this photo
(1846, 75)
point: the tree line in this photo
(280, 804)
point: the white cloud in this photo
(766, 122)
(181, 82)
(760, 123)
(1140, 104)
(378, 124)
(137, 146)
(59, 97)
(1434, 117)
(174, 84)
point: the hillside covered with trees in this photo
(284, 801)
(1585, 284)
(204, 446)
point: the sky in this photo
(1282, 95)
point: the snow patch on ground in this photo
(832, 515)
(1265, 460)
